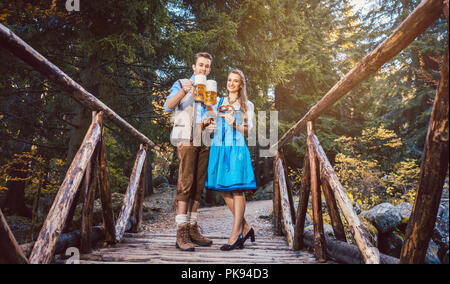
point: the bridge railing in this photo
(87, 172)
(318, 171)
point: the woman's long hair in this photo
(242, 95)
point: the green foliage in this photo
(369, 181)
(130, 52)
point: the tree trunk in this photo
(432, 175)
(11, 253)
(417, 22)
(14, 202)
(173, 168)
(82, 120)
(21, 49)
(149, 175)
(302, 205)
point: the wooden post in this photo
(289, 189)
(89, 187)
(319, 234)
(105, 193)
(276, 200)
(370, 254)
(302, 205)
(11, 253)
(417, 22)
(139, 201)
(130, 194)
(333, 211)
(285, 205)
(432, 174)
(54, 223)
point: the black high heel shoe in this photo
(237, 244)
(251, 235)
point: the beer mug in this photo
(199, 88)
(211, 93)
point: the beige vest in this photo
(182, 119)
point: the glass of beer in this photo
(199, 88)
(211, 93)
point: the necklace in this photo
(232, 102)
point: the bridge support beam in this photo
(44, 247)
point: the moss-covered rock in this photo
(385, 217)
(391, 243)
(371, 231)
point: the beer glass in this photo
(199, 88)
(211, 93)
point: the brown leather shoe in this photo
(183, 241)
(197, 238)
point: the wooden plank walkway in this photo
(160, 248)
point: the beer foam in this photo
(199, 79)
(211, 85)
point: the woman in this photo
(230, 168)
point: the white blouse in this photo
(250, 113)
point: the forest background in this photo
(129, 53)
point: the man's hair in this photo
(203, 54)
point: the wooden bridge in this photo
(89, 171)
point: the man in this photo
(193, 157)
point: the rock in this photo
(371, 231)
(405, 209)
(431, 256)
(164, 187)
(211, 198)
(160, 180)
(264, 192)
(328, 230)
(440, 235)
(356, 207)
(391, 243)
(385, 216)
(308, 220)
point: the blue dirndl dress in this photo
(230, 166)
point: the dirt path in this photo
(216, 220)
